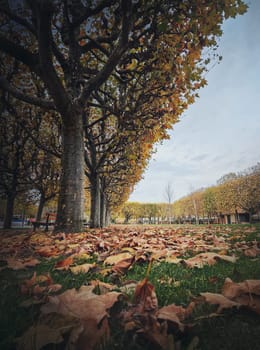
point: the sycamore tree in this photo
(209, 202)
(73, 47)
(14, 161)
(247, 193)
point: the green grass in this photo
(236, 330)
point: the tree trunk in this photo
(103, 206)
(70, 212)
(95, 202)
(9, 211)
(40, 208)
(107, 217)
(250, 213)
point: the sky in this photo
(220, 132)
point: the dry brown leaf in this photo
(90, 308)
(232, 290)
(250, 301)
(252, 252)
(155, 332)
(219, 299)
(38, 289)
(114, 259)
(49, 330)
(169, 313)
(172, 259)
(30, 282)
(36, 337)
(175, 314)
(84, 268)
(64, 264)
(79, 256)
(18, 264)
(122, 266)
(53, 288)
(47, 252)
(208, 258)
(145, 295)
(102, 286)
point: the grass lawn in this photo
(232, 328)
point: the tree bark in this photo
(40, 208)
(70, 212)
(95, 202)
(107, 217)
(250, 212)
(9, 211)
(103, 206)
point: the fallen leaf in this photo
(232, 290)
(64, 264)
(102, 286)
(169, 313)
(252, 252)
(145, 295)
(207, 259)
(83, 268)
(250, 301)
(155, 332)
(114, 259)
(36, 337)
(89, 308)
(18, 264)
(53, 288)
(219, 299)
(122, 266)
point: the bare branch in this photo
(89, 11)
(18, 19)
(44, 13)
(26, 98)
(20, 53)
(108, 68)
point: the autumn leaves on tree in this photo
(118, 73)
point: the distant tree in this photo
(14, 159)
(44, 177)
(128, 212)
(209, 202)
(247, 193)
(226, 178)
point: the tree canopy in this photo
(139, 63)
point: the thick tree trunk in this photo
(9, 211)
(95, 202)
(70, 212)
(40, 208)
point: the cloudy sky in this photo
(220, 133)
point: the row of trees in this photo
(29, 166)
(234, 193)
(111, 77)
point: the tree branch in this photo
(18, 19)
(92, 11)
(44, 12)
(20, 53)
(108, 68)
(26, 98)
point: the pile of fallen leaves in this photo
(122, 247)
(82, 318)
